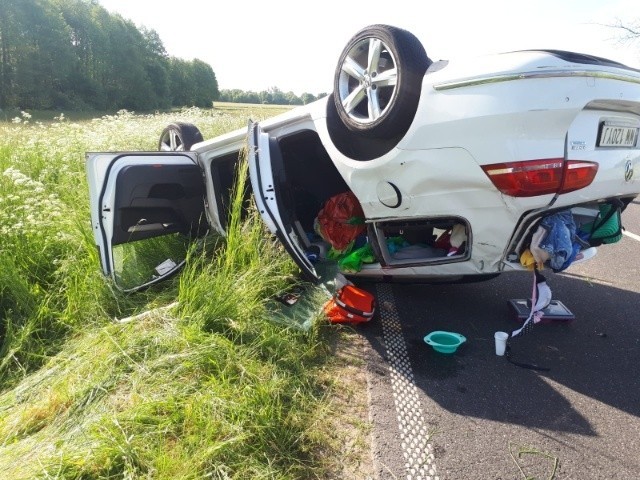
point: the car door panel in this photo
(140, 196)
(270, 187)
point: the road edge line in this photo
(417, 451)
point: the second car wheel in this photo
(378, 80)
(179, 136)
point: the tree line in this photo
(75, 55)
(271, 96)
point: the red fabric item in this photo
(443, 241)
(350, 305)
(336, 220)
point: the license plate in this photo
(618, 136)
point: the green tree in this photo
(8, 34)
(292, 99)
(307, 98)
(205, 85)
(265, 97)
(277, 96)
(86, 35)
(75, 54)
(193, 83)
(126, 82)
(157, 67)
(36, 54)
(179, 87)
(250, 97)
(271, 96)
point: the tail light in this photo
(578, 175)
(541, 177)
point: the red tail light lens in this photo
(578, 175)
(541, 177)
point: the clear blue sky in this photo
(294, 45)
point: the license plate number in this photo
(618, 136)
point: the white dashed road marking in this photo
(418, 453)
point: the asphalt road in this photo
(474, 415)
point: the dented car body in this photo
(488, 148)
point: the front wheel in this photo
(378, 81)
(179, 137)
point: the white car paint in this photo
(513, 107)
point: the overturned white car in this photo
(454, 165)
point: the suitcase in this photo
(350, 305)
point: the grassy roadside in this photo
(49, 116)
(211, 388)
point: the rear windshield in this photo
(573, 57)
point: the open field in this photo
(48, 116)
(210, 387)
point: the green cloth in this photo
(352, 262)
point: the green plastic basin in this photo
(444, 342)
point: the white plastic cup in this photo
(501, 342)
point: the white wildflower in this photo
(29, 210)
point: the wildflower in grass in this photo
(158, 397)
(29, 210)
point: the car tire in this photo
(179, 137)
(378, 80)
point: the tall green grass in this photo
(50, 281)
(210, 388)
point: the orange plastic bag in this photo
(350, 305)
(341, 220)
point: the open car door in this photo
(146, 208)
(270, 189)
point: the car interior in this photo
(306, 178)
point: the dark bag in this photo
(350, 305)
